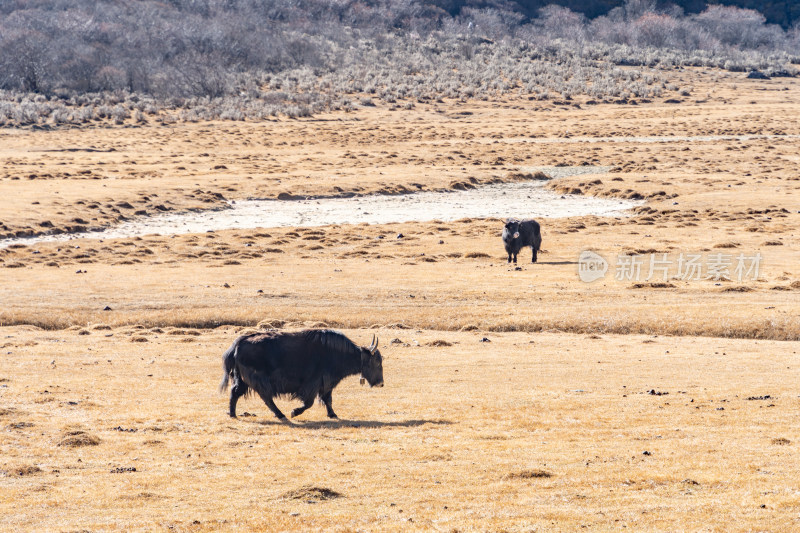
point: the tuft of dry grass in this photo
(310, 492)
(77, 439)
(738, 288)
(439, 343)
(528, 176)
(529, 474)
(476, 255)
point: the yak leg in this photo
(266, 395)
(515, 259)
(307, 402)
(272, 407)
(327, 399)
(533, 259)
(238, 390)
(509, 257)
(261, 384)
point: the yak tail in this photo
(228, 365)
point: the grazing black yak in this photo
(302, 365)
(519, 234)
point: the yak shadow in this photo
(339, 423)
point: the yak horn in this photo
(374, 345)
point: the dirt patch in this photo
(123, 469)
(142, 496)
(655, 285)
(20, 425)
(739, 288)
(310, 492)
(21, 470)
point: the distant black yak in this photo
(302, 365)
(519, 234)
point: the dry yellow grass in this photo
(356, 280)
(545, 426)
(523, 431)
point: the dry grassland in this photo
(545, 431)
(110, 350)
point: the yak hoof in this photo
(333, 415)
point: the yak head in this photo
(372, 364)
(511, 230)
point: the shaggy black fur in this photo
(519, 234)
(302, 365)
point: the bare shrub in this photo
(251, 60)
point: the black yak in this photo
(519, 234)
(302, 365)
